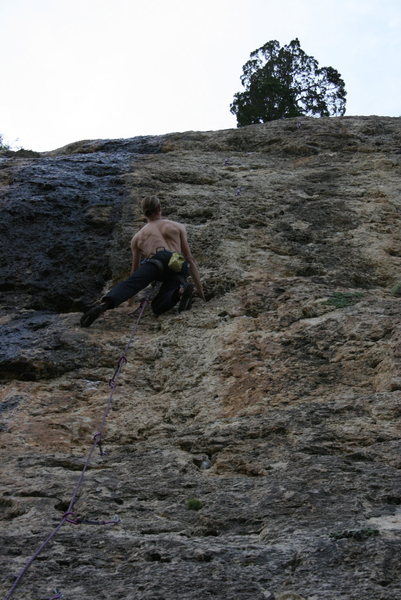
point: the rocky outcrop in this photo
(253, 447)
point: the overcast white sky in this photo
(87, 69)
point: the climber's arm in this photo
(136, 261)
(136, 255)
(193, 268)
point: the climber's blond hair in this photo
(150, 205)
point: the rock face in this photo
(253, 445)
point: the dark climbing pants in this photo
(147, 273)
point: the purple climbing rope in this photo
(96, 442)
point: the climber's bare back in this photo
(157, 235)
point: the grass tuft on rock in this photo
(194, 504)
(344, 299)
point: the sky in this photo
(92, 69)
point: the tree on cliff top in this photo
(285, 82)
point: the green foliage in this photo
(396, 290)
(285, 82)
(6, 151)
(343, 299)
(3, 145)
(194, 504)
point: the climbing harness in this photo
(69, 515)
(175, 263)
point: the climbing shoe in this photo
(186, 298)
(92, 314)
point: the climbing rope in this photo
(68, 516)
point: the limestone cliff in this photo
(272, 409)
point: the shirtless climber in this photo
(160, 252)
